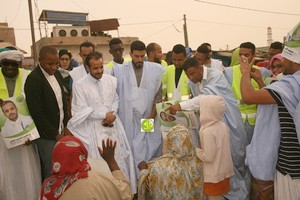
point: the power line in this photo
(249, 9)
(144, 23)
(238, 25)
(16, 13)
(162, 30)
(82, 8)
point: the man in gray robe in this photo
(139, 89)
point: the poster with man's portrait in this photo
(16, 124)
(167, 120)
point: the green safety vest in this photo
(112, 63)
(248, 111)
(183, 85)
(20, 82)
(163, 79)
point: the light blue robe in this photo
(216, 84)
(135, 103)
(229, 76)
(262, 152)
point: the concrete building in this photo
(7, 34)
(77, 29)
(7, 37)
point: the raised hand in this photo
(107, 153)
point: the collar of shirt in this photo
(58, 95)
(94, 80)
(200, 85)
(44, 72)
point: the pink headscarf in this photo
(277, 56)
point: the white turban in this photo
(12, 55)
(291, 50)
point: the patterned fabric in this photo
(69, 164)
(175, 175)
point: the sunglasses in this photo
(118, 49)
(9, 63)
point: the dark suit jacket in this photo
(42, 103)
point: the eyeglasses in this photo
(9, 63)
(65, 59)
(277, 66)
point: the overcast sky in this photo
(223, 23)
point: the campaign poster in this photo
(188, 118)
(16, 124)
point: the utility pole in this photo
(32, 33)
(186, 40)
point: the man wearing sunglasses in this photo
(116, 49)
(12, 76)
(20, 164)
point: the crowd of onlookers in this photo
(92, 144)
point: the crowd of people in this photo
(91, 143)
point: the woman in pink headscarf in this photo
(276, 68)
(275, 65)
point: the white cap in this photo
(12, 55)
(291, 50)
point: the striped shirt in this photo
(289, 149)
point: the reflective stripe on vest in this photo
(184, 88)
(248, 111)
(20, 82)
(248, 116)
(163, 79)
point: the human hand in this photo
(142, 165)
(109, 118)
(58, 137)
(67, 132)
(108, 149)
(27, 142)
(105, 124)
(245, 66)
(174, 108)
(151, 116)
(256, 74)
(107, 153)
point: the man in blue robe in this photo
(207, 81)
(274, 152)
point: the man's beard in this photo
(139, 64)
(157, 60)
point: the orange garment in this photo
(263, 64)
(222, 187)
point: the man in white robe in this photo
(78, 72)
(94, 107)
(15, 122)
(207, 81)
(203, 55)
(139, 89)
